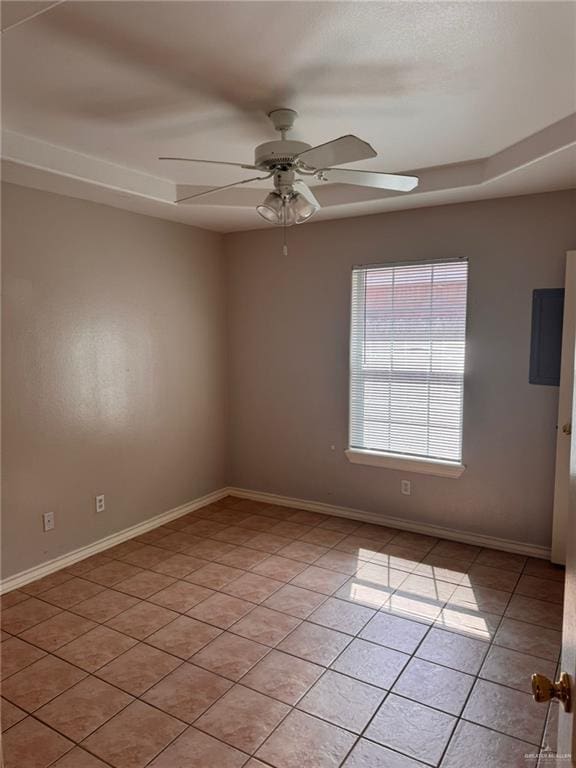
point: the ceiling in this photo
(478, 98)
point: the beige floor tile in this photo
(39, 586)
(13, 598)
(323, 537)
(295, 601)
(305, 517)
(544, 569)
(480, 599)
(40, 682)
(132, 738)
(194, 749)
(361, 547)
(474, 623)
(77, 712)
(26, 614)
(465, 654)
(214, 575)
(138, 669)
(145, 584)
(540, 612)
(371, 663)
(413, 607)
(381, 576)
(433, 685)
(16, 655)
(289, 529)
(411, 728)
(457, 550)
(474, 747)
(96, 648)
(242, 557)
(142, 620)
(33, 745)
(514, 669)
(394, 632)
(181, 596)
(243, 718)
(417, 541)
(443, 568)
(71, 592)
(303, 740)
(10, 714)
(541, 589)
(342, 615)
(511, 712)
(343, 562)
(494, 578)
(320, 580)
(234, 534)
(314, 643)
(187, 692)
(146, 556)
(397, 557)
(179, 566)
(105, 605)
(303, 551)
(78, 758)
(496, 559)
(269, 542)
(520, 636)
(112, 573)
(278, 567)
(230, 655)
(366, 754)
(363, 591)
(265, 626)
(342, 701)
(221, 610)
(208, 549)
(57, 631)
(183, 637)
(282, 677)
(340, 524)
(252, 587)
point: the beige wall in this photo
(289, 325)
(113, 370)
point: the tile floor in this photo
(246, 634)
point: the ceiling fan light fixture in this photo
(277, 210)
(303, 209)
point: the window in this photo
(407, 365)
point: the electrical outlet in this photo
(406, 487)
(100, 503)
(48, 521)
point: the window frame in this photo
(392, 460)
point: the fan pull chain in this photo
(285, 244)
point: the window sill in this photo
(412, 464)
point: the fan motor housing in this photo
(278, 154)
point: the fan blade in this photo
(226, 186)
(346, 149)
(211, 162)
(370, 179)
(306, 193)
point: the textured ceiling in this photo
(427, 84)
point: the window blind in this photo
(407, 350)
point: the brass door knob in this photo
(543, 689)
(567, 429)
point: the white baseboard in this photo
(38, 571)
(506, 545)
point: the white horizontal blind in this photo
(407, 358)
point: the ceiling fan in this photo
(292, 201)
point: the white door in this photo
(565, 420)
(566, 720)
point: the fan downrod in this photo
(283, 119)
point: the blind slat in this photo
(407, 358)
